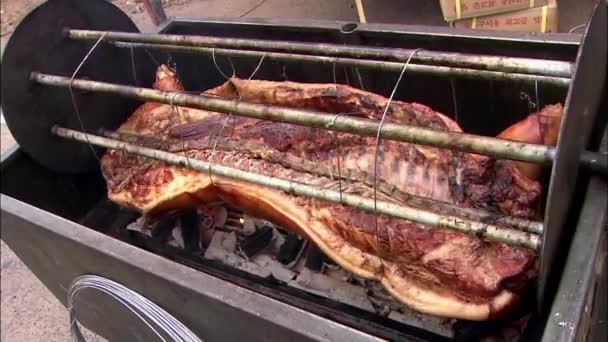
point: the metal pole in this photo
(486, 62)
(498, 148)
(483, 230)
(364, 63)
(155, 11)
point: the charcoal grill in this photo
(56, 216)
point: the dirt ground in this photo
(12, 10)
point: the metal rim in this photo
(580, 109)
(38, 43)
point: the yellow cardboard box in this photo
(460, 9)
(538, 19)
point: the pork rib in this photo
(437, 271)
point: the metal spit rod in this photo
(353, 62)
(484, 62)
(499, 148)
(421, 202)
(487, 231)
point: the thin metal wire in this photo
(337, 140)
(359, 78)
(175, 109)
(346, 79)
(156, 62)
(257, 67)
(133, 68)
(74, 102)
(378, 142)
(577, 27)
(124, 153)
(338, 156)
(220, 69)
(75, 329)
(218, 135)
(537, 96)
(157, 319)
(454, 100)
(538, 116)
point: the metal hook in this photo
(218, 67)
(526, 97)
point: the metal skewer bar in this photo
(484, 62)
(421, 202)
(484, 230)
(498, 148)
(363, 63)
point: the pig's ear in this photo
(166, 79)
(541, 127)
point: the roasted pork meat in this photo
(434, 270)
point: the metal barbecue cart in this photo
(58, 220)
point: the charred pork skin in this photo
(433, 270)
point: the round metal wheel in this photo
(31, 110)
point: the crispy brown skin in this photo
(437, 271)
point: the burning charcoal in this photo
(248, 223)
(314, 259)
(205, 229)
(206, 220)
(177, 238)
(162, 230)
(251, 245)
(137, 226)
(190, 222)
(234, 221)
(216, 214)
(220, 216)
(290, 248)
(228, 241)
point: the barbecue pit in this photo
(91, 55)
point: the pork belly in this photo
(434, 270)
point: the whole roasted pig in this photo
(434, 270)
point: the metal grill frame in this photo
(470, 41)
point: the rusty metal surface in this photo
(582, 103)
(155, 11)
(580, 306)
(209, 306)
